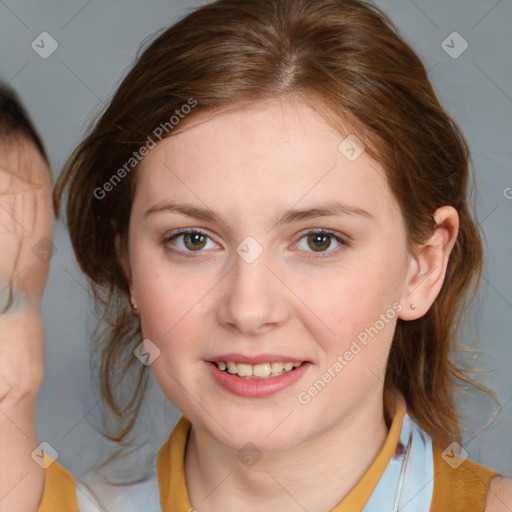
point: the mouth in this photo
(257, 371)
(256, 376)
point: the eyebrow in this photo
(329, 209)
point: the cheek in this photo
(357, 303)
(170, 300)
(155, 291)
(166, 309)
(170, 319)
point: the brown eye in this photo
(189, 243)
(316, 242)
(319, 241)
(194, 240)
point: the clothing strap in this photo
(416, 474)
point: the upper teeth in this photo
(258, 370)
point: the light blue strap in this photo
(418, 482)
(94, 495)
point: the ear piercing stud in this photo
(413, 306)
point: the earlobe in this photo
(429, 264)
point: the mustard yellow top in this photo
(59, 493)
(461, 489)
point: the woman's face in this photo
(254, 286)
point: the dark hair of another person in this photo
(15, 121)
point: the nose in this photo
(253, 299)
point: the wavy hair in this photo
(346, 55)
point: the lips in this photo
(256, 376)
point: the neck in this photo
(314, 475)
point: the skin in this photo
(499, 497)
(25, 218)
(249, 165)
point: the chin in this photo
(265, 434)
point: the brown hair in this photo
(344, 54)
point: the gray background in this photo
(97, 42)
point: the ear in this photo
(427, 268)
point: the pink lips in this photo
(255, 388)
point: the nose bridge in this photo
(251, 299)
(250, 280)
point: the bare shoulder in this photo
(499, 497)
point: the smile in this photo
(257, 371)
(258, 380)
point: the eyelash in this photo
(189, 254)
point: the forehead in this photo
(267, 155)
(18, 154)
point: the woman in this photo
(275, 202)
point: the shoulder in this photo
(499, 496)
(460, 484)
(59, 492)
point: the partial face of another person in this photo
(26, 218)
(222, 271)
